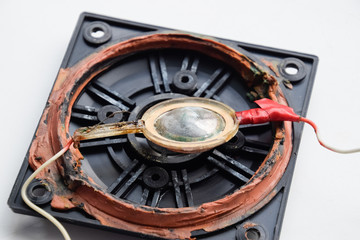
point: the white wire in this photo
(335, 149)
(331, 148)
(36, 208)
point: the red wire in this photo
(313, 125)
(68, 144)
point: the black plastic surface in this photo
(135, 79)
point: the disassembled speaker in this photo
(135, 186)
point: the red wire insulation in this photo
(313, 125)
(67, 146)
(271, 111)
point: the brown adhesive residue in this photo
(271, 66)
(172, 223)
(249, 225)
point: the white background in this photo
(324, 201)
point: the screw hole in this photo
(185, 79)
(291, 69)
(39, 191)
(252, 234)
(108, 114)
(155, 177)
(97, 32)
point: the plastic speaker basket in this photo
(129, 184)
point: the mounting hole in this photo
(97, 33)
(251, 231)
(105, 112)
(252, 234)
(39, 192)
(185, 81)
(293, 69)
(108, 114)
(155, 177)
